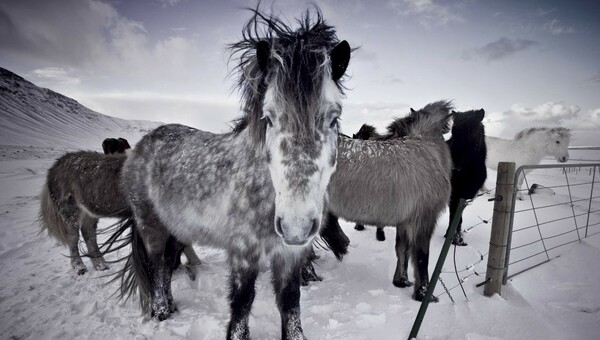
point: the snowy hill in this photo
(34, 116)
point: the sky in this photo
(527, 63)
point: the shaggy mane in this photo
(297, 62)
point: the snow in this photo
(41, 298)
(34, 116)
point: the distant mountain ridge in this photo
(35, 116)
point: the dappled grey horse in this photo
(398, 181)
(254, 191)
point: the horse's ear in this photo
(412, 110)
(453, 112)
(480, 114)
(340, 57)
(263, 49)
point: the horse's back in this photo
(384, 183)
(89, 178)
(194, 181)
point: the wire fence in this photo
(565, 209)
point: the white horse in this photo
(528, 148)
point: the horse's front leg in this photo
(286, 284)
(402, 256)
(520, 196)
(150, 261)
(420, 263)
(244, 270)
(173, 251)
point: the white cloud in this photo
(54, 75)
(430, 12)
(588, 121)
(555, 27)
(506, 124)
(546, 113)
(91, 37)
(499, 49)
(168, 3)
(593, 81)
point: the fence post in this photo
(500, 228)
(438, 269)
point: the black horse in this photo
(468, 151)
(115, 145)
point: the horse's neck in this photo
(244, 145)
(532, 148)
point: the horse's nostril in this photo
(278, 228)
(314, 228)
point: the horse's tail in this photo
(50, 218)
(334, 237)
(431, 121)
(135, 274)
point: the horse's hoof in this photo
(432, 299)
(308, 275)
(380, 235)
(359, 227)
(80, 268)
(161, 315)
(458, 240)
(419, 295)
(402, 283)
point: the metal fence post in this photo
(500, 228)
(438, 269)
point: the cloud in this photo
(90, 37)
(167, 3)
(210, 113)
(555, 27)
(429, 12)
(506, 124)
(542, 12)
(54, 75)
(499, 49)
(547, 113)
(593, 81)
(589, 120)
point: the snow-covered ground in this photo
(41, 298)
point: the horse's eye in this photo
(557, 142)
(334, 123)
(268, 120)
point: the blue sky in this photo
(527, 63)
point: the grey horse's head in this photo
(291, 90)
(558, 140)
(552, 141)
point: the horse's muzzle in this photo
(296, 235)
